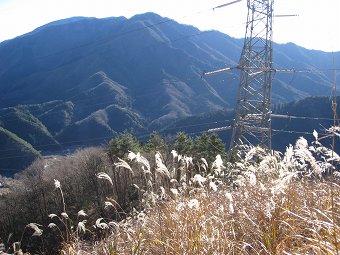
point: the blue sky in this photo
(316, 27)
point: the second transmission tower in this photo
(253, 110)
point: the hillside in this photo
(299, 118)
(12, 145)
(101, 126)
(150, 56)
(21, 122)
(80, 81)
(151, 199)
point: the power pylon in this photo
(253, 108)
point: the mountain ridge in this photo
(83, 78)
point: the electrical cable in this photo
(192, 133)
(116, 36)
(140, 135)
(299, 117)
(213, 9)
(290, 117)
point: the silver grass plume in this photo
(101, 225)
(52, 225)
(105, 176)
(52, 215)
(218, 166)
(139, 159)
(124, 164)
(35, 227)
(82, 213)
(64, 214)
(81, 226)
(205, 164)
(160, 167)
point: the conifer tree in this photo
(122, 144)
(183, 144)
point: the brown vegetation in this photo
(263, 203)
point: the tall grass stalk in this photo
(270, 205)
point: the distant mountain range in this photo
(80, 81)
(289, 122)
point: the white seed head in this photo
(108, 204)
(131, 156)
(229, 196)
(113, 224)
(174, 154)
(213, 186)
(231, 208)
(193, 204)
(217, 165)
(160, 167)
(64, 214)
(81, 226)
(105, 176)
(35, 227)
(180, 207)
(124, 164)
(52, 215)
(82, 213)
(199, 180)
(57, 184)
(52, 225)
(101, 225)
(174, 192)
(204, 162)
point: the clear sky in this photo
(316, 27)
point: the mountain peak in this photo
(149, 15)
(62, 22)
(149, 67)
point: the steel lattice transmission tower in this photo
(253, 110)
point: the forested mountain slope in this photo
(80, 81)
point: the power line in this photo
(141, 135)
(196, 125)
(282, 116)
(274, 70)
(114, 37)
(221, 129)
(117, 35)
(204, 74)
(138, 135)
(92, 98)
(196, 77)
(215, 130)
(292, 132)
(49, 110)
(227, 4)
(287, 70)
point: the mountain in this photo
(289, 122)
(150, 56)
(22, 123)
(15, 153)
(80, 81)
(101, 125)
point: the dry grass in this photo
(265, 203)
(303, 219)
(262, 204)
